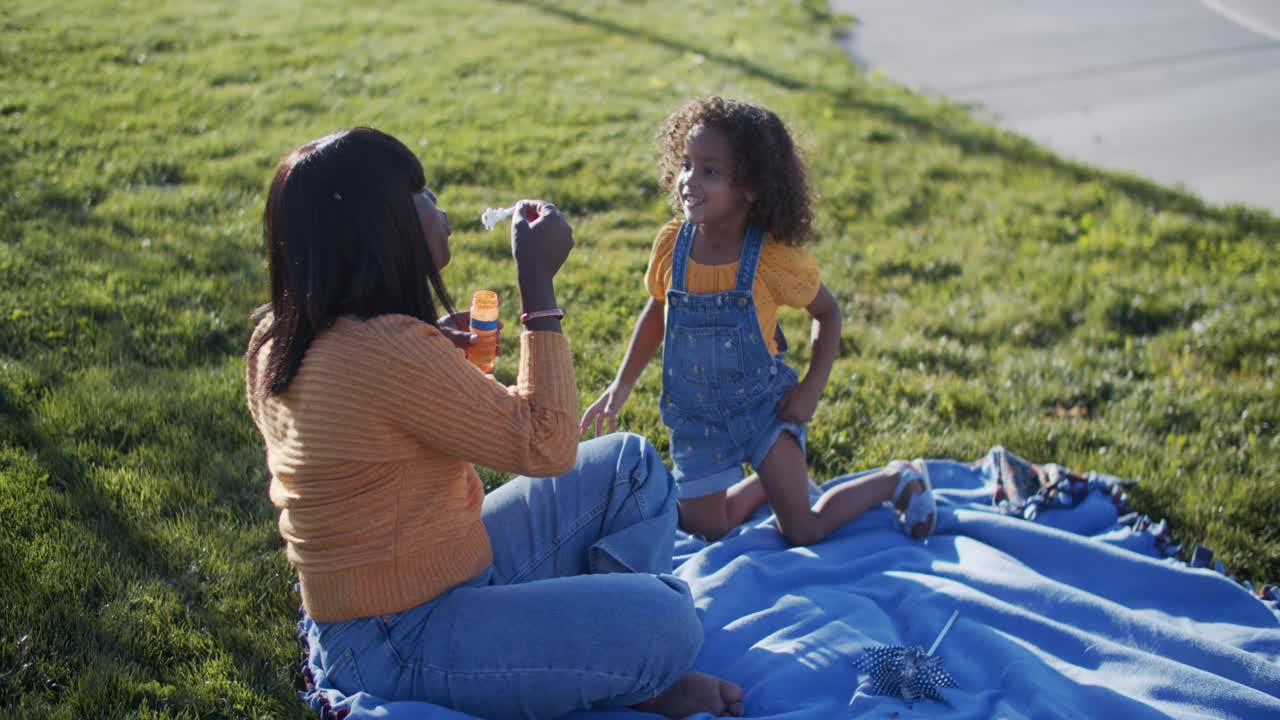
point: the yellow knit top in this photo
(371, 447)
(785, 275)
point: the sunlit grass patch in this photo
(993, 293)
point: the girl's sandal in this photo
(922, 507)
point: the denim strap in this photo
(680, 256)
(746, 264)
(750, 257)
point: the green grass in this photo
(984, 282)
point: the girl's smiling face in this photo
(707, 190)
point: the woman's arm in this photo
(435, 395)
(799, 403)
(528, 428)
(538, 260)
(645, 340)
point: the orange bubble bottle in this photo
(484, 323)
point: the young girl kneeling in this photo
(716, 280)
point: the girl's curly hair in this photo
(765, 162)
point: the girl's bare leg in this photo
(705, 516)
(785, 478)
(713, 515)
(743, 498)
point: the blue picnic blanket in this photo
(1068, 608)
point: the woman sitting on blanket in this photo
(542, 597)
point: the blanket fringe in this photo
(1025, 489)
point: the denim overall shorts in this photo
(720, 384)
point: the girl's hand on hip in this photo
(606, 409)
(540, 240)
(457, 328)
(798, 403)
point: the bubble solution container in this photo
(484, 323)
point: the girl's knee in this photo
(801, 533)
(705, 516)
(707, 529)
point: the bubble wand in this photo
(492, 216)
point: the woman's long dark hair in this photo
(342, 237)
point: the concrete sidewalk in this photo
(1181, 91)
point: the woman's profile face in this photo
(435, 224)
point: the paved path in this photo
(1181, 91)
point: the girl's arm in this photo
(799, 403)
(645, 340)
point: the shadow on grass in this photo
(969, 137)
(68, 636)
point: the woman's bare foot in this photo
(694, 693)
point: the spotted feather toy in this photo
(907, 671)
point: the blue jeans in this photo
(577, 610)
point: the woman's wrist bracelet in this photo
(554, 312)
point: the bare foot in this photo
(694, 693)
